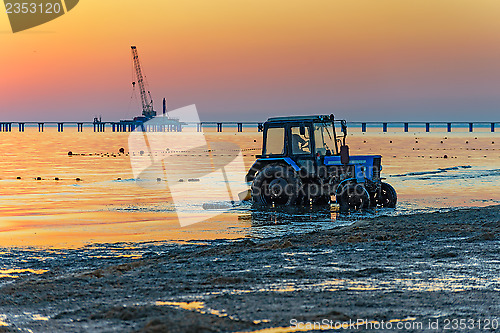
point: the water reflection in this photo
(264, 216)
(265, 222)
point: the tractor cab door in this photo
(301, 146)
(274, 141)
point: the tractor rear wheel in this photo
(352, 197)
(276, 185)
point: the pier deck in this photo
(169, 125)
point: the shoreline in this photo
(422, 266)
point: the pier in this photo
(429, 126)
(161, 124)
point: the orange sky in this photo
(245, 60)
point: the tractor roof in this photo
(319, 118)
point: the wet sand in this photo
(411, 269)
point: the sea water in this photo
(430, 171)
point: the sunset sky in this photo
(251, 59)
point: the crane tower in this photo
(147, 101)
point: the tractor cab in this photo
(305, 159)
(302, 141)
(300, 136)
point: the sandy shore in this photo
(422, 268)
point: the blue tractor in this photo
(304, 161)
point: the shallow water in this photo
(430, 171)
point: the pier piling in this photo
(5, 127)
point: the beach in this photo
(419, 268)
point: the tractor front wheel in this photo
(388, 197)
(352, 197)
(276, 185)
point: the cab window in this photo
(275, 143)
(300, 142)
(324, 139)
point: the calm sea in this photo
(430, 171)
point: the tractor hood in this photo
(365, 166)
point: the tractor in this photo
(305, 162)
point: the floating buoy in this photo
(78, 179)
(18, 178)
(118, 178)
(181, 180)
(445, 156)
(210, 206)
(158, 179)
(57, 178)
(70, 153)
(38, 178)
(141, 152)
(193, 180)
(122, 150)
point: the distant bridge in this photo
(173, 125)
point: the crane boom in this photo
(147, 101)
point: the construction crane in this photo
(147, 101)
